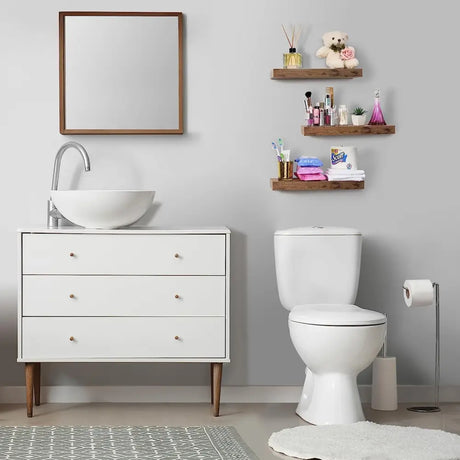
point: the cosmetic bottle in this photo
(321, 113)
(330, 93)
(327, 116)
(327, 110)
(292, 60)
(316, 115)
(343, 115)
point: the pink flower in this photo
(347, 53)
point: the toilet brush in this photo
(408, 298)
(384, 382)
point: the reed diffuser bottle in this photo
(377, 114)
(293, 59)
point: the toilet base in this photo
(330, 399)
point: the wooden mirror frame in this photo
(62, 90)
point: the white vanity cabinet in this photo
(134, 295)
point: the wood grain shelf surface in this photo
(315, 74)
(298, 185)
(347, 130)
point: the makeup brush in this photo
(308, 96)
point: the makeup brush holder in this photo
(285, 170)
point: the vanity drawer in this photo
(57, 339)
(70, 295)
(109, 254)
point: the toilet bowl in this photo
(336, 342)
(317, 272)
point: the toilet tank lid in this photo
(318, 231)
(335, 315)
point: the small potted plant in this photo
(358, 117)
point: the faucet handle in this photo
(53, 215)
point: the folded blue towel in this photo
(309, 161)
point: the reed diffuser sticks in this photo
(293, 41)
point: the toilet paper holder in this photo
(435, 407)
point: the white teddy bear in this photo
(338, 55)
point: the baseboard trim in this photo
(201, 394)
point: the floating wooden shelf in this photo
(348, 130)
(297, 185)
(315, 74)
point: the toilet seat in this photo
(335, 315)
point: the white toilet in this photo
(317, 271)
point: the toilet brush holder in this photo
(384, 384)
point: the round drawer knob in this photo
(71, 296)
(177, 296)
(176, 337)
(72, 338)
(72, 254)
(176, 255)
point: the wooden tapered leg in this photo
(216, 383)
(212, 383)
(37, 373)
(30, 388)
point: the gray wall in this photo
(218, 172)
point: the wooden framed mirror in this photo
(120, 73)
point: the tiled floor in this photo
(254, 422)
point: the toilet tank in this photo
(317, 265)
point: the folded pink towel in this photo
(309, 170)
(311, 176)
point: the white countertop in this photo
(130, 230)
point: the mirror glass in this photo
(121, 73)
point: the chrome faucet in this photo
(53, 214)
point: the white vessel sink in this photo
(102, 208)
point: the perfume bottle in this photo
(292, 60)
(377, 114)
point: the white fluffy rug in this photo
(366, 441)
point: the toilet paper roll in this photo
(343, 157)
(418, 293)
(384, 384)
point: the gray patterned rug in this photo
(122, 443)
